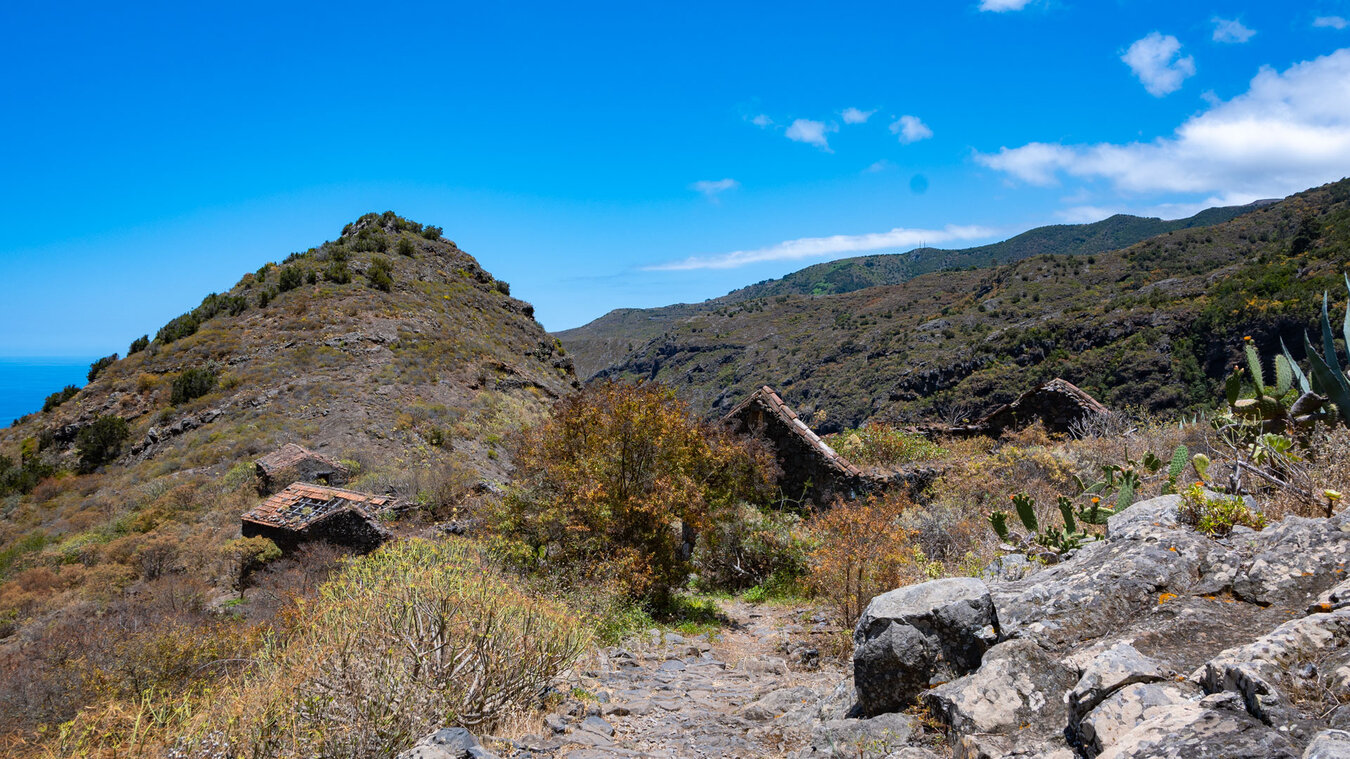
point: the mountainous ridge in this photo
(1153, 325)
(607, 340)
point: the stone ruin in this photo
(1057, 404)
(302, 513)
(812, 470)
(294, 463)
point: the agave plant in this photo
(1328, 377)
(1295, 400)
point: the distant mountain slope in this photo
(607, 340)
(1153, 325)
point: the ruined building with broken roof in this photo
(812, 470)
(301, 513)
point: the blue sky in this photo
(604, 155)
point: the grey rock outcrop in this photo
(1091, 652)
(913, 637)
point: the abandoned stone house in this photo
(1057, 404)
(294, 463)
(301, 513)
(812, 470)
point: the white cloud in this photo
(811, 132)
(911, 129)
(711, 188)
(823, 247)
(1288, 132)
(857, 116)
(1154, 60)
(1231, 30)
(762, 121)
(999, 6)
(1330, 22)
(881, 165)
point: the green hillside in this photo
(608, 340)
(1153, 325)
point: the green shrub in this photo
(139, 344)
(101, 441)
(432, 233)
(878, 444)
(1216, 517)
(178, 328)
(751, 547)
(502, 287)
(98, 366)
(405, 247)
(290, 278)
(338, 272)
(381, 274)
(192, 383)
(370, 239)
(59, 397)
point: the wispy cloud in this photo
(1330, 22)
(1000, 6)
(1231, 30)
(1156, 61)
(910, 129)
(711, 188)
(881, 165)
(811, 132)
(762, 120)
(857, 115)
(1289, 131)
(824, 247)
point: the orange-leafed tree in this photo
(617, 482)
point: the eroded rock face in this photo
(913, 637)
(1092, 652)
(1208, 729)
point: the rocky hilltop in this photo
(382, 341)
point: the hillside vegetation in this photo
(388, 348)
(1154, 325)
(609, 339)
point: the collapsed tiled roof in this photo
(301, 505)
(765, 398)
(289, 455)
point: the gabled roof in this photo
(289, 455)
(301, 505)
(766, 399)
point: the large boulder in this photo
(1013, 704)
(913, 637)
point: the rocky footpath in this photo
(1154, 642)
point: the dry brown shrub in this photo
(861, 551)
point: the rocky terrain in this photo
(1155, 641)
(1154, 324)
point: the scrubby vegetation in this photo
(134, 618)
(617, 481)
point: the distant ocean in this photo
(26, 382)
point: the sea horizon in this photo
(26, 381)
